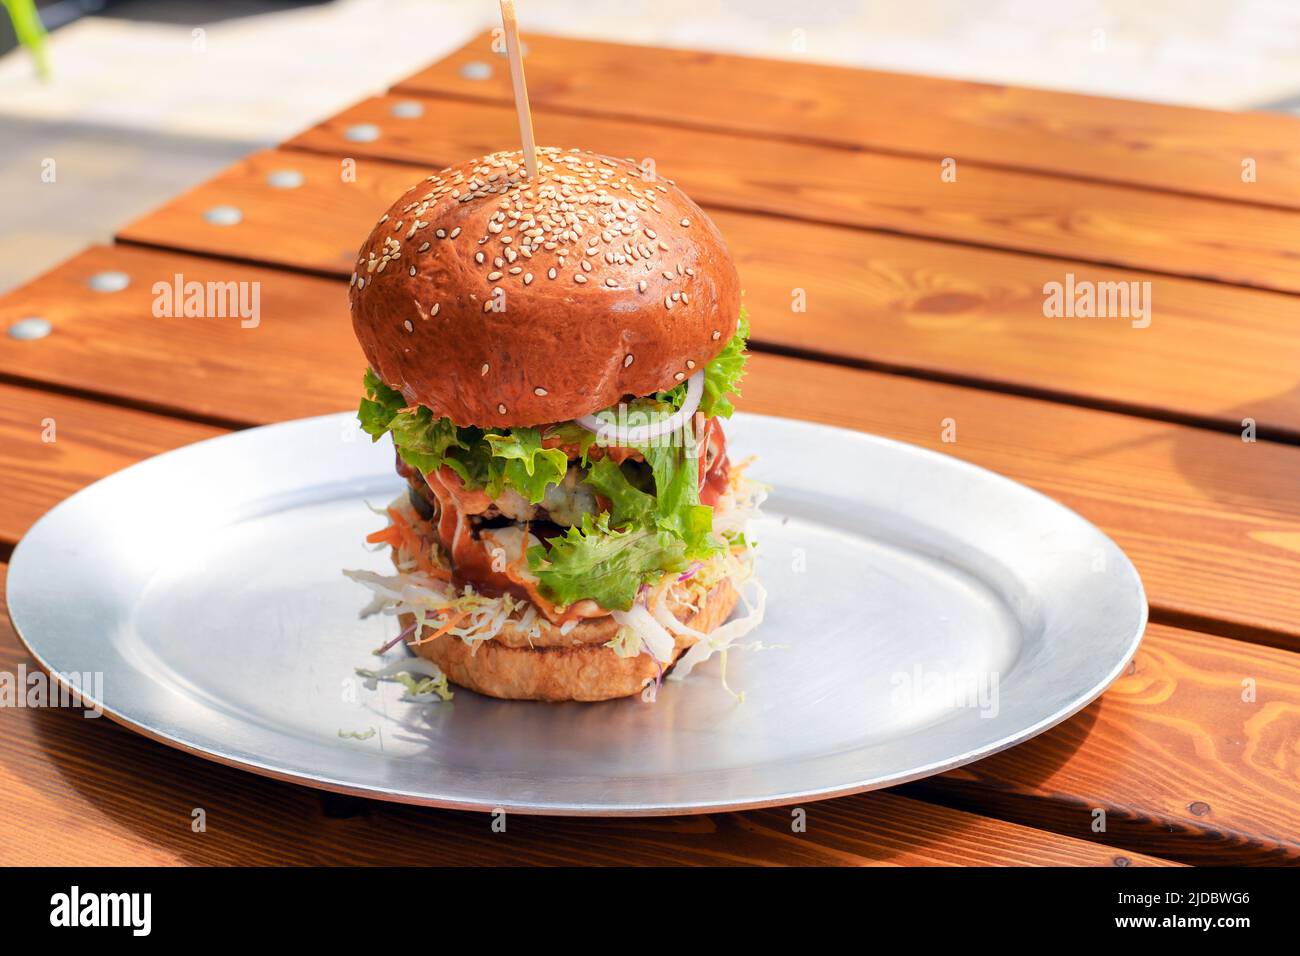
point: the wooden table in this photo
(924, 303)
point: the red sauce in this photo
(714, 465)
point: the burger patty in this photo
(563, 505)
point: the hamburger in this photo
(553, 359)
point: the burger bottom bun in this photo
(580, 670)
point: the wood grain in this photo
(1191, 754)
(1212, 354)
(87, 792)
(1152, 145)
(52, 445)
(1212, 522)
(1028, 212)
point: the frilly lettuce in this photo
(490, 460)
(604, 564)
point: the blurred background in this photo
(140, 99)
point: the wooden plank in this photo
(1212, 522)
(113, 344)
(1212, 354)
(1028, 212)
(1191, 755)
(87, 792)
(1153, 145)
(52, 445)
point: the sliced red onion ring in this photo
(612, 433)
(407, 632)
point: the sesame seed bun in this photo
(494, 300)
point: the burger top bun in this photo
(496, 300)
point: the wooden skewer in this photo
(511, 24)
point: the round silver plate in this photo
(922, 613)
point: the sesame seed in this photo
(436, 307)
(424, 247)
(668, 302)
(528, 278)
(579, 278)
(627, 360)
(641, 286)
(361, 282)
(485, 369)
(487, 305)
(679, 376)
(412, 270)
(539, 391)
(550, 273)
(479, 257)
(455, 232)
(409, 326)
(686, 222)
(493, 276)
(690, 364)
(716, 335)
(501, 409)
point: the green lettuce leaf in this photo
(603, 564)
(493, 461)
(677, 499)
(722, 376)
(723, 373)
(629, 505)
(380, 405)
(520, 462)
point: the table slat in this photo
(1212, 354)
(52, 445)
(1191, 754)
(1123, 226)
(1152, 145)
(1212, 522)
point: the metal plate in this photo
(205, 585)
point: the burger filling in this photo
(552, 524)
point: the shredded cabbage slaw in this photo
(422, 587)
